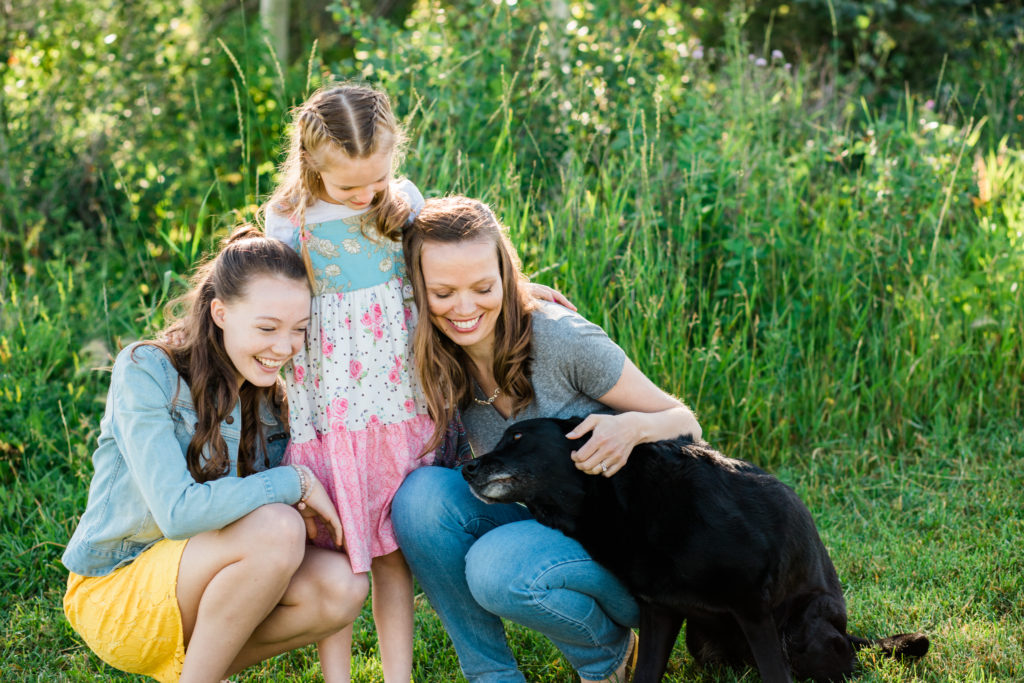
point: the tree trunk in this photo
(274, 18)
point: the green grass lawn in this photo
(832, 282)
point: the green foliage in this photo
(830, 278)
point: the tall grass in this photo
(834, 287)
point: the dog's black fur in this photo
(693, 535)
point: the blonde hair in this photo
(351, 119)
(441, 365)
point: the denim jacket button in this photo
(230, 420)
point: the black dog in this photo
(693, 535)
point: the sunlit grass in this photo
(834, 287)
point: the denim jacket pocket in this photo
(275, 436)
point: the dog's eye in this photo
(517, 436)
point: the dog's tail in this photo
(899, 646)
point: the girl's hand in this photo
(545, 293)
(319, 504)
(611, 441)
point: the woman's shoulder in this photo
(554, 319)
(145, 358)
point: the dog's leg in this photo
(658, 630)
(763, 638)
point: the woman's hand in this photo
(319, 504)
(545, 293)
(612, 438)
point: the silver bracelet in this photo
(304, 483)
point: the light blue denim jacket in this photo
(141, 490)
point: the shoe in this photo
(631, 659)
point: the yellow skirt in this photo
(130, 617)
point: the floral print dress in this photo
(357, 415)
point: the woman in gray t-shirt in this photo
(497, 356)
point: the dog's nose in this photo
(470, 467)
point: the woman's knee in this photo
(497, 572)
(419, 501)
(274, 533)
(338, 593)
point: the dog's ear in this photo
(568, 424)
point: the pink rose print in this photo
(355, 369)
(299, 372)
(395, 376)
(348, 322)
(410, 405)
(372, 320)
(336, 412)
(374, 421)
(325, 345)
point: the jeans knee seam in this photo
(538, 595)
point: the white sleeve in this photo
(280, 228)
(412, 195)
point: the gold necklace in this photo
(490, 401)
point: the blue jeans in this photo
(478, 563)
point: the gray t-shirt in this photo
(573, 364)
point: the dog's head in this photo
(819, 648)
(532, 465)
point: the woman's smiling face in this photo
(464, 291)
(264, 327)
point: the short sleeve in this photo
(280, 228)
(590, 361)
(412, 195)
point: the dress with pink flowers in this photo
(357, 415)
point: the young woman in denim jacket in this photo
(190, 561)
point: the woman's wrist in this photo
(305, 481)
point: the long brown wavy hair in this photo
(195, 345)
(351, 119)
(441, 365)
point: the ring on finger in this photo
(604, 468)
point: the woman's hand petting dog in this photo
(612, 439)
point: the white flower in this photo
(385, 265)
(351, 245)
(332, 270)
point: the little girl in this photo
(357, 416)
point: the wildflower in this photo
(776, 55)
(761, 61)
(698, 52)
